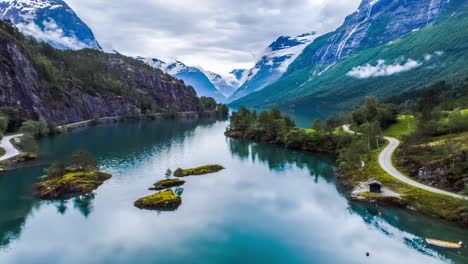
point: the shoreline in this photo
(9, 162)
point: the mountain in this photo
(226, 84)
(385, 48)
(70, 86)
(51, 21)
(192, 76)
(273, 64)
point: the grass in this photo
(438, 205)
(163, 201)
(166, 184)
(406, 125)
(198, 171)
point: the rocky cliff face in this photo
(70, 86)
(374, 23)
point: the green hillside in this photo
(440, 50)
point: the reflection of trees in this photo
(16, 203)
(84, 204)
(121, 141)
(62, 206)
(239, 147)
(278, 158)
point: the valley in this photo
(228, 132)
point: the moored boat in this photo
(444, 244)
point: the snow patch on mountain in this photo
(51, 21)
(193, 76)
(273, 63)
(227, 84)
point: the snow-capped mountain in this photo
(382, 49)
(192, 76)
(374, 23)
(273, 64)
(226, 84)
(51, 21)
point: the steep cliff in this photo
(69, 86)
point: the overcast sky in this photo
(218, 35)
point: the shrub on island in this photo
(198, 171)
(162, 201)
(81, 178)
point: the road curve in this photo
(386, 162)
(10, 150)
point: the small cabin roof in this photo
(374, 182)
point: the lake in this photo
(270, 205)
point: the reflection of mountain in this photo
(16, 203)
(279, 158)
(135, 140)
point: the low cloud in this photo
(51, 33)
(219, 35)
(383, 69)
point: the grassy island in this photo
(162, 201)
(166, 184)
(70, 185)
(81, 178)
(198, 171)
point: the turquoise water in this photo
(269, 206)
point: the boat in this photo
(444, 244)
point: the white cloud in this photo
(51, 33)
(219, 35)
(383, 69)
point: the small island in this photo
(82, 177)
(162, 201)
(166, 184)
(198, 171)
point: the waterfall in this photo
(432, 10)
(350, 33)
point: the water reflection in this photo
(16, 203)
(417, 228)
(277, 158)
(62, 206)
(84, 204)
(269, 206)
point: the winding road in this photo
(385, 161)
(10, 150)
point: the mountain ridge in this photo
(273, 63)
(410, 61)
(70, 86)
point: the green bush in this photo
(35, 128)
(3, 124)
(28, 144)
